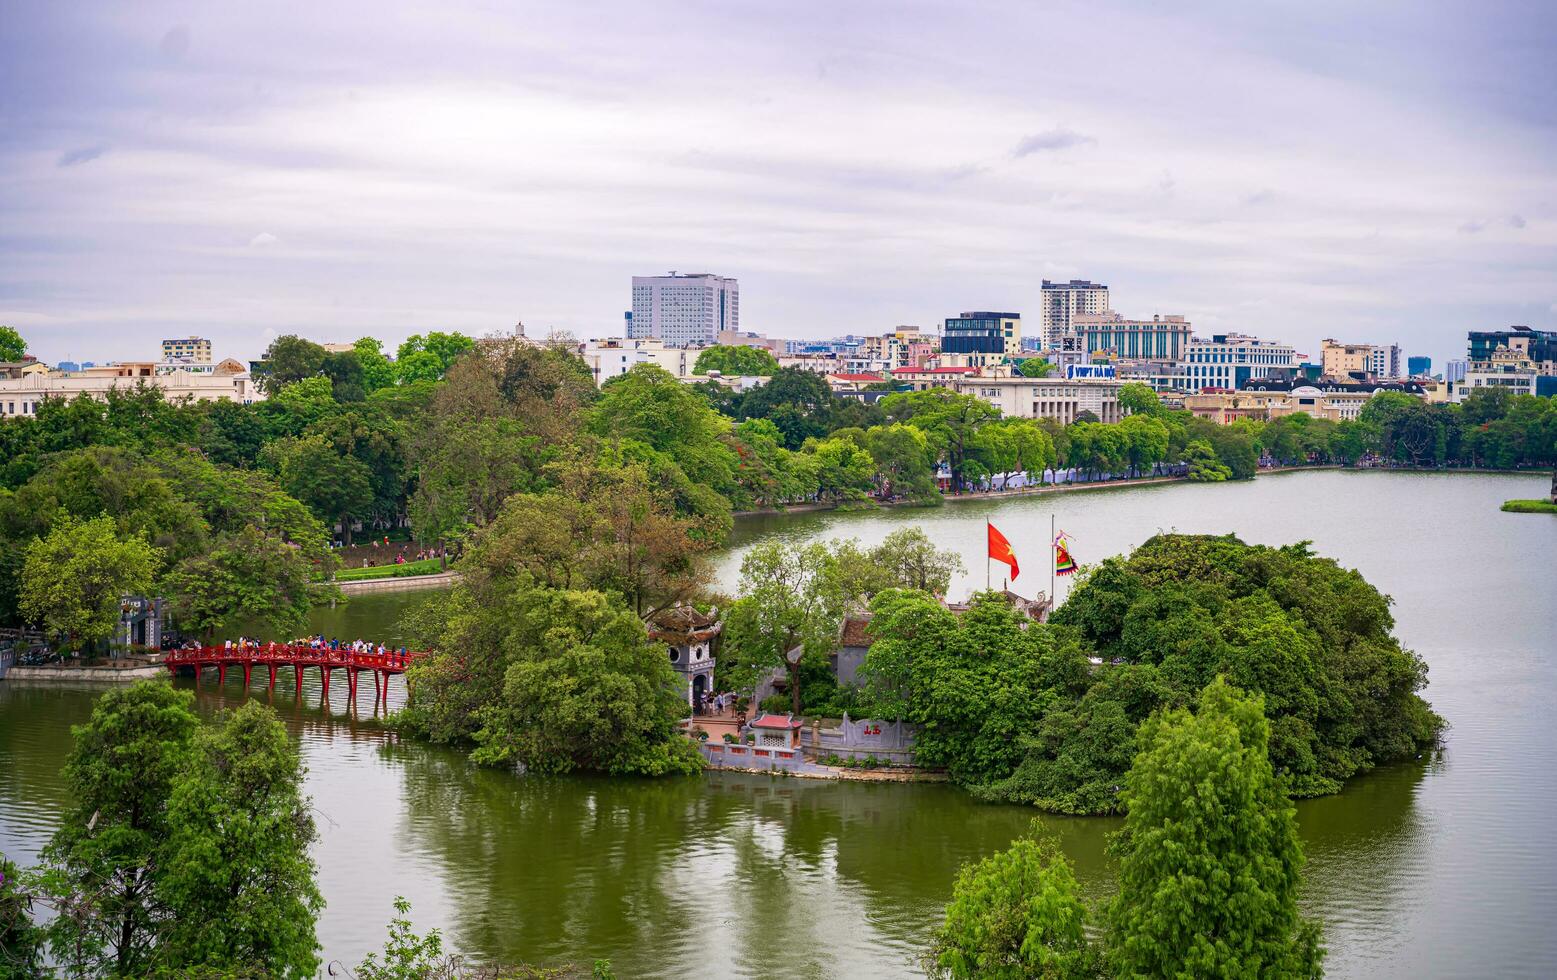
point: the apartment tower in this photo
(1062, 302)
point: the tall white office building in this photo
(1062, 302)
(684, 309)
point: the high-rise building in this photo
(1454, 370)
(195, 350)
(1539, 346)
(684, 309)
(1162, 338)
(1063, 302)
(1419, 367)
(988, 338)
(1228, 360)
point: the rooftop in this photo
(781, 722)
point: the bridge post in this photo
(221, 673)
(324, 673)
(247, 667)
(378, 689)
(351, 685)
(297, 675)
(272, 677)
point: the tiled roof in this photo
(783, 722)
(856, 632)
(857, 377)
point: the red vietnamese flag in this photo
(1000, 550)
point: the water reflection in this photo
(1438, 868)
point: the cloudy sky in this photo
(1375, 171)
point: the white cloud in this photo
(1058, 138)
(263, 239)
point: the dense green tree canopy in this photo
(104, 857)
(73, 578)
(1016, 712)
(12, 346)
(1210, 861)
(1016, 915)
(237, 871)
(290, 359)
(185, 852)
(736, 360)
(1035, 367)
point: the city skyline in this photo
(240, 174)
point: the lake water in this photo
(1441, 868)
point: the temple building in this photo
(690, 637)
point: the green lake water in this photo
(1443, 867)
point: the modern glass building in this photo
(988, 336)
(1419, 367)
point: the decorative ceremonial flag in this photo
(1000, 550)
(1064, 564)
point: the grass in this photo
(1530, 507)
(427, 566)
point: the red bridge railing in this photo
(297, 656)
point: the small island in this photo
(1548, 506)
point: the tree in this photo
(73, 579)
(951, 421)
(585, 689)
(1310, 637)
(978, 684)
(378, 371)
(247, 577)
(906, 559)
(1203, 465)
(1035, 367)
(844, 470)
(790, 610)
(649, 406)
(1210, 862)
(21, 942)
(797, 401)
(903, 460)
(335, 487)
(428, 358)
(290, 358)
(1015, 915)
(1139, 399)
(103, 860)
(237, 874)
(736, 360)
(12, 346)
(347, 379)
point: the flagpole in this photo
(1052, 559)
(986, 555)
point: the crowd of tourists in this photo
(328, 647)
(715, 704)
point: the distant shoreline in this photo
(1108, 485)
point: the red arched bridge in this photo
(298, 656)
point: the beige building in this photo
(1508, 368)
(1046, 398)
(1340, 360)
(194, 350)
(21, 396)
(1062, 302)
(22, 368)
(1227, 407)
